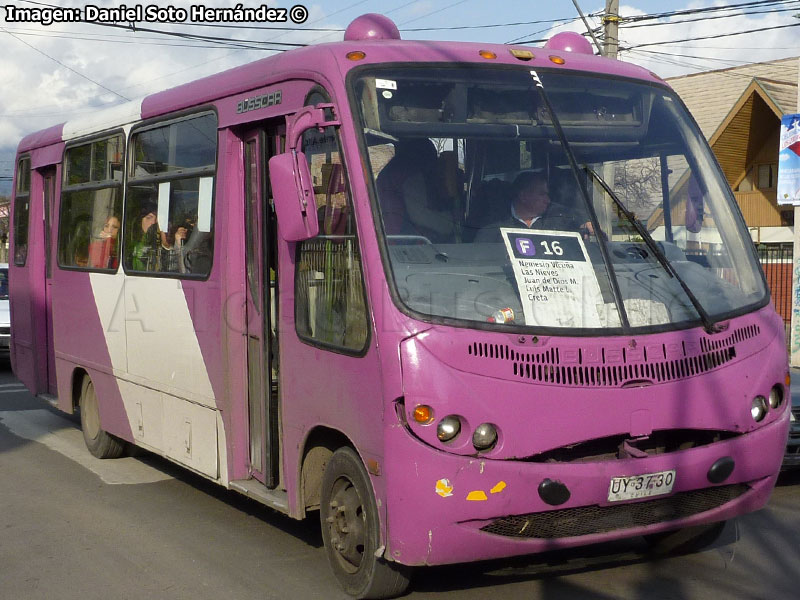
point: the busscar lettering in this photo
(256, 102)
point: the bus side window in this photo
(169, 202)
(22, 211)
(91, 206)
(330, 305)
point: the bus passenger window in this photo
(91, 206)
(168, 211)
(330, 303)
(22, 211)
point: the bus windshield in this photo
(550, 199)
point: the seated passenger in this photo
(409, 196)
(151, 250)
(103, 249)
(531, 208)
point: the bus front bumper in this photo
(445, 508)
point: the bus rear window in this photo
(22, 211)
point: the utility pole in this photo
(611, 29)
(589, 29)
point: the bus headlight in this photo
(758, 409)
(484, 437)
(776, 396)
(448, 428)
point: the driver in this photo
(531, 208)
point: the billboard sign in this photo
(789, 161)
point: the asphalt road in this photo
(74, 527)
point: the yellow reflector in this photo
(788, 380)
(356, 55)
(423, 414)
(557, 60)
(522, 54)
(488, 54)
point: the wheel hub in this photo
(347, 523)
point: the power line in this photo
(711, 37)
(78, 73)
(692, 11)
(713, 17)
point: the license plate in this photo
(641, 486)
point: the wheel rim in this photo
(347, 524)
(89, 412)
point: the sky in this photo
(61, 71)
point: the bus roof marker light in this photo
(356, 55)
(487, 54)
(522, 54)
(371, 26)
(569, 41)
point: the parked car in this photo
(5, 318)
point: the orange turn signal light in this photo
(356, 55)
(788, 380)
(557, 60)
(423, 414)
(487, 54)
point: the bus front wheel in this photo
(350, 531)
(99, 442)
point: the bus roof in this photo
(325, 60)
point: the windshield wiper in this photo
(708, 324)
(573, 163)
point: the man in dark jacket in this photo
(531, 208)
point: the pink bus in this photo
(465, 301)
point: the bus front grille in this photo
(587, 520)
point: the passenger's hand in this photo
(181, 233)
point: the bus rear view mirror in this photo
(293, 193)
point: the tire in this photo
(684, 541)
(351, 531)
(100, 443)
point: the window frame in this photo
(22, 195)
(90, 187)
(324, 97)
(190, 173)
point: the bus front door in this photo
(262, 363)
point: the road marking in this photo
(14, 385)
(61, 435)
(16, 391)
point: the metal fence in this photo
(776, 260)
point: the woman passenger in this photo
(103, 253)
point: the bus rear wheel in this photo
(99, 442)
(350, 531)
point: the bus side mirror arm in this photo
(304, 119)
(290, 176)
